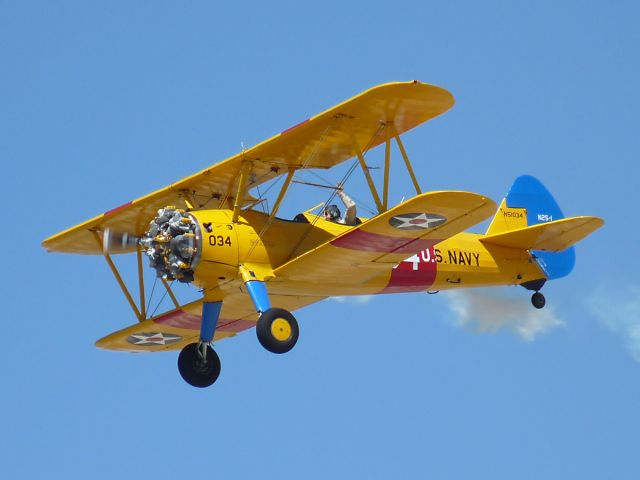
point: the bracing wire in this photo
(306, 161)
(342, 182)
(350, 171)
(161, 300)
(361, 204)
(261, 197)
(153, 288)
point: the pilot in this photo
(332, 212)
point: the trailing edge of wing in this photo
(552, 236)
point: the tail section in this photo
(529, 203)
(555, 236)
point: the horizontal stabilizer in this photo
(553, 236)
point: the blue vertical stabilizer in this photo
(529, 193)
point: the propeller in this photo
(119, 242)
(169, 243)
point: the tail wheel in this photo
(277, 330)
(538, 300)
(198, 371)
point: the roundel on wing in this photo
(153, 338)
(416, 221)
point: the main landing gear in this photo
(277, 330)
(199, 365)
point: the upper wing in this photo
(175, 329)
(319, 142)
(551, 237)
(387, 239)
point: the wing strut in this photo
(116, 274)
(283, 190)
(242, 187)
(387, 164)
(406, 161)
(365, 170)
(143, 308)
(140, 312)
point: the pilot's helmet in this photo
(332, 212)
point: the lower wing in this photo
(179, 327)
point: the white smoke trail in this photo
(354, 300)
(619, 310)
(488, 311)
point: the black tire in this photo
(538, 300)
(196, 372)
(277, 330)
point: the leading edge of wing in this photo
(322, 141)
(390, 237)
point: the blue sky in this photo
(105, 102)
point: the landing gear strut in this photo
(198, 363)
(277, 329)
(538, 300)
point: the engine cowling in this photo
(188, 246)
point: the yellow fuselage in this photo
(458, 262)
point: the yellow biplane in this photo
(254, 268)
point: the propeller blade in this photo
(117, 242)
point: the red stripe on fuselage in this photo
(415, 274)
(374, 242)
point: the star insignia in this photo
(416, 221)
(157, 338)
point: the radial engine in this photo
(171, 243)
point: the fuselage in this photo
(461, 261)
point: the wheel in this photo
(196, 371)
(277, 330)
(537, 299)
